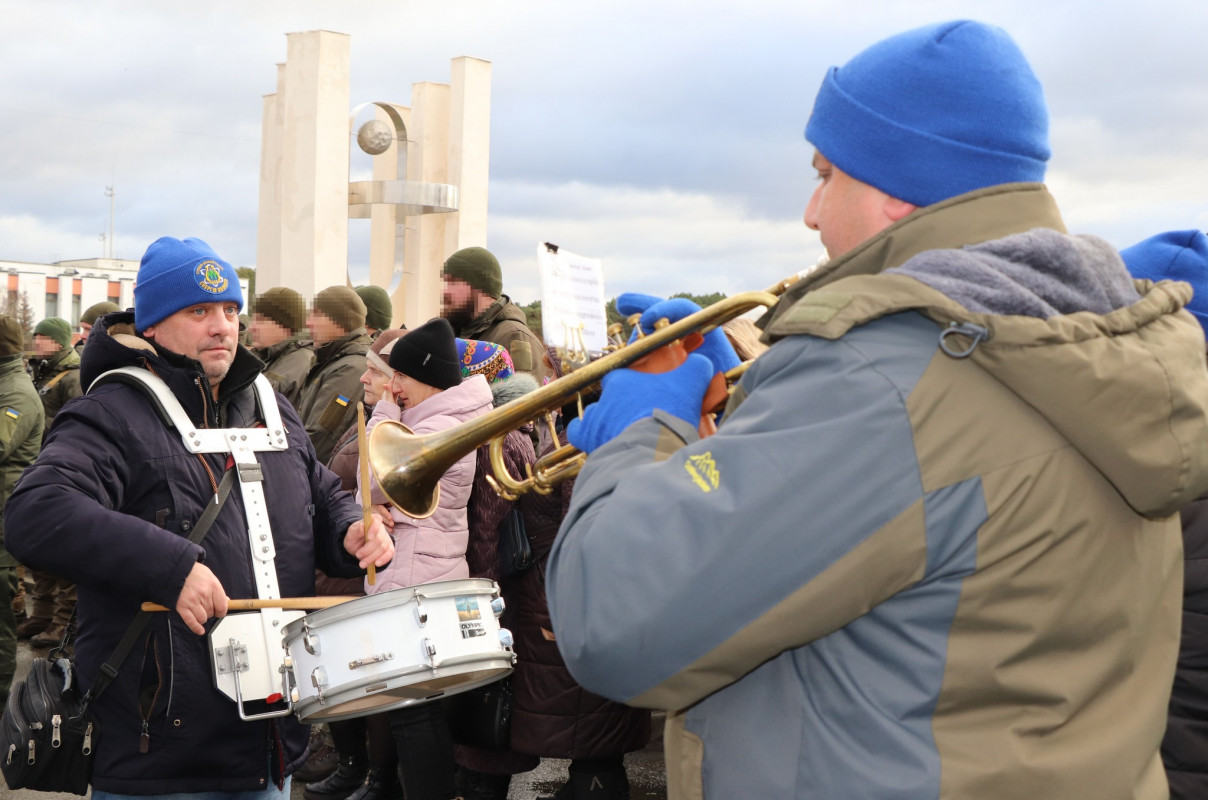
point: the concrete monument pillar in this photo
(428, 192)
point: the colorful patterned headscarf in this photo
(484, 358)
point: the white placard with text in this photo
(572, 300)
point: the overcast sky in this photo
(663, 137)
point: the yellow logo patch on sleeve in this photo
(703, 471)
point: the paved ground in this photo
(647, 777)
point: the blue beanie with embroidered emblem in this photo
(178, 273)
(1174, 256)
(933, 113)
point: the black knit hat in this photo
(428, 354)
(478, 267)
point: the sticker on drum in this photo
(467, 612)
(396, 648)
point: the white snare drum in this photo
(396, 648)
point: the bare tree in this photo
(17, 305)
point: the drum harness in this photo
(231, 658)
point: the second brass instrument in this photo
(409, 467)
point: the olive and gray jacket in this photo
(286, 365)
(54, 390)
(930, 551)
(333, 390)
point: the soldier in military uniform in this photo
(56, 376)
(21, 421)
(278, 316)
(473, 301)
(333, 387)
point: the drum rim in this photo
(301, 706)
(401, 596)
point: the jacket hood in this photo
(1124, 382)
(114, 344)
(507, 390)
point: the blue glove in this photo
(629, 395)
(716, 347)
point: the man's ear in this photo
(897, 209)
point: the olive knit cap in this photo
(12, 340)
(98, 310)
(379, 311)
(283, 306)
(343, 306)
(478, 267)
(56, 328)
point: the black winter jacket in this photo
(109, 505)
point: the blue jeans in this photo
(270, 793)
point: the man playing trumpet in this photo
(930, 550)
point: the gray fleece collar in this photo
(1041, 273)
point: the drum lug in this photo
(318, 679)
(430, 649)
(310, 641)
(497, 607)
(421, 614)
(505, 637)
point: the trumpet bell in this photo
(400, 462)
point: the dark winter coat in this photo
(1185, 746)
(553, 716)
(109, 505)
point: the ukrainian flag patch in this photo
(341, 399)
(12, 413)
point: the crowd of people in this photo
(943, 541)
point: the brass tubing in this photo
(409, 467)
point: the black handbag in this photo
(47, 734)
(482, 717)
(515, 550)
(47, 731)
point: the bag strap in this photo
(139, 623)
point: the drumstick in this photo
(251, 604)
(366, 503)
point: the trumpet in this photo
(409, 467)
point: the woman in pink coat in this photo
(427, 394)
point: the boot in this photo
(381, 783)
(49, 637)
(322, 759)
(610, 785)
(32, 627)
(481, 786)
(347, 778)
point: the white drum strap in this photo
(242, 444)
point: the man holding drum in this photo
(111, 502)
(929, 551)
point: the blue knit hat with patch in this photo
(933, 113)
(1174, 256)
(178, 273)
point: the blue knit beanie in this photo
(933, 113)
(1174, 256)
(178, 273)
